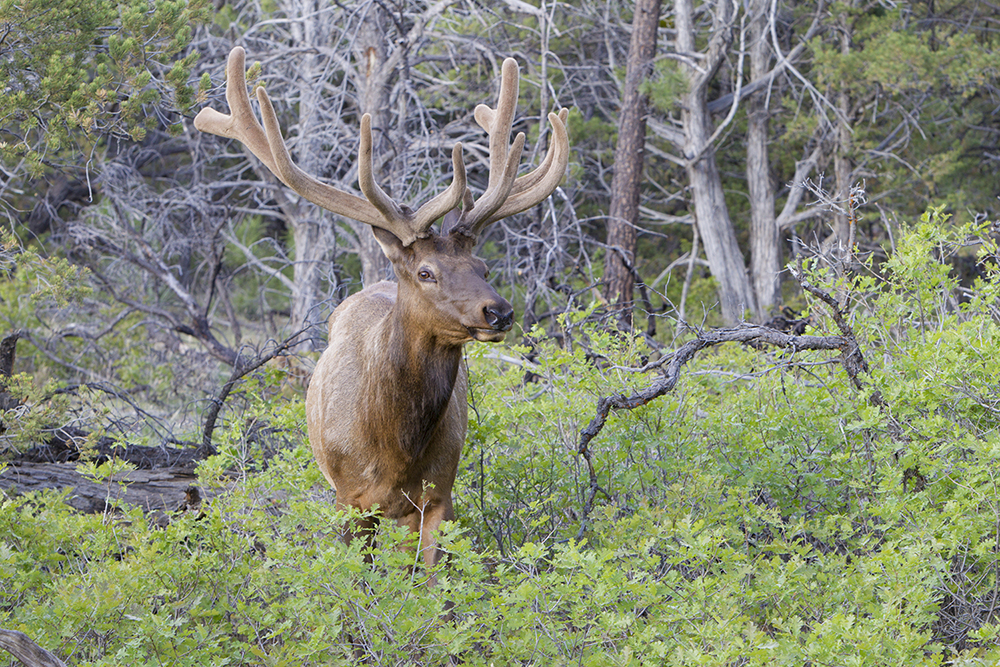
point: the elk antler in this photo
(505, 194)
(266, 143)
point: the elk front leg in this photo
(364, 528)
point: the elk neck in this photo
(412, 389)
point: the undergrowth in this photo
(766, 512)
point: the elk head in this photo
(443, 288)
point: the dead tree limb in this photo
(240, 370)
(27, 652)
(746, 334)
(850, 356)
(854, 363)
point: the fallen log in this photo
(163, 489)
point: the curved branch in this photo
(746, 334)
(851, 358)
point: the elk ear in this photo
(450, 219)
(392, 247)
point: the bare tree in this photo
(734, 32)
(700, 133)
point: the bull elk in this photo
(386, 406)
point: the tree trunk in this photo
(373, 98)
(313, 250)
(841, 159)
(711, 214)
(765, 242)
(8, 350)
(623, 214)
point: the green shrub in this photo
(766, 512)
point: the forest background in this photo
(639, 486)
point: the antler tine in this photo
(241, 123)
(501, 121)
(504, 159)
(556, 151)
(406, 224)
(389, 209)
(448, 200)
(379, 210)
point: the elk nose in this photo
(500, 317)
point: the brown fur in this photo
(386, 406)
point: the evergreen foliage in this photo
(77, 73)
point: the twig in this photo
(153, 421)
(240, 370)
(853, 360)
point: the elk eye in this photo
(426, 275)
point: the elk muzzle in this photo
(499, 318)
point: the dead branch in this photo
(746, 334)
(240, 371)
(854, 362)
(851, 358)
(26, 651)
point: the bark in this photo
(623, 214)
(27, 651)
(8, 350)
(163, 489)
(711, 214)
(841, 161)
(765, 242)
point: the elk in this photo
(386, 406)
